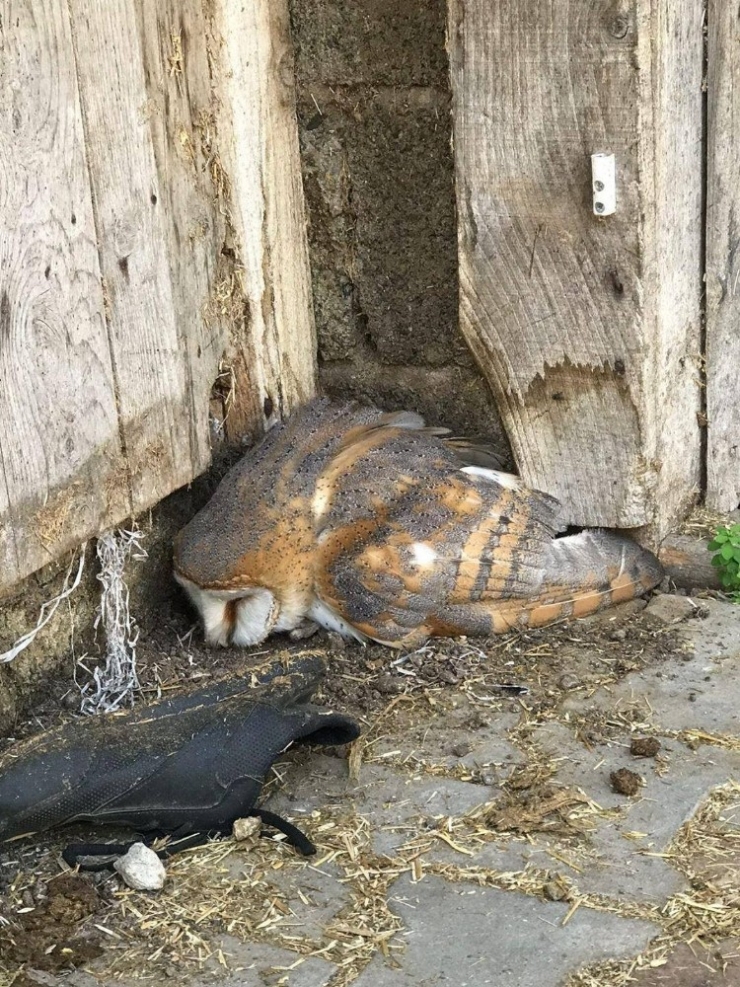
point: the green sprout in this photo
(726, 548)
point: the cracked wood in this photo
(114, 222)
(588, 329)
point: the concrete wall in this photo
(375, 127)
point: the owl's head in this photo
(242, 616)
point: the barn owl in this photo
(375, 526)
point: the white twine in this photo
(48, 609)
(116, 681)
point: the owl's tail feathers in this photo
(583, 574)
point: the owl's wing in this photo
(262, 502)
(406, 534)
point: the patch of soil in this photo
(541, 665)
(46, 924)
(694, 966)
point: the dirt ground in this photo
(459, 713)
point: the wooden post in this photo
(262, 159)
(587, 328)
(723, 256)
(152, 240)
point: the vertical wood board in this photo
(563, 309)
(180, 107)
(58, 421)
(723, 256)
(148, 357)
(671, 63)
(262, 161)
(115, 232)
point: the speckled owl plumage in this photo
(373, 525)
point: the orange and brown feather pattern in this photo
(372, 524)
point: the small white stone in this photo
(141, 868)
(244, 828)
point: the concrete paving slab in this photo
(698, 690)
(398, 803)
(506, 855)
(462, 736)
(711, 628)
(672, 788)
(321, 896)
(427, 761)
(622, 865)
(667, 802)
(468, 936)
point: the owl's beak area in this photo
(217, 609)
(243, 616)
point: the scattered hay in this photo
(707, 850)
(702, 523)
(255, 891)
(49, 608)
(694, 738)
(222, 890)
(712, 834)
(553, 810)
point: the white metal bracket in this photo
(604, 183)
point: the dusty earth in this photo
(559, 807)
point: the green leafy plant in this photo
(726, 548)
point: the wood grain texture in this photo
(179, 111)
(266, 200)
(723, 257)
(58, 422)
(587, 328)
(148, 357)
(116, 242)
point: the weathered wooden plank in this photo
(174, 40)
(137, 267)
(258, 145)
(587, 328)
(723, 256)
(150, 363)
(60, 456)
